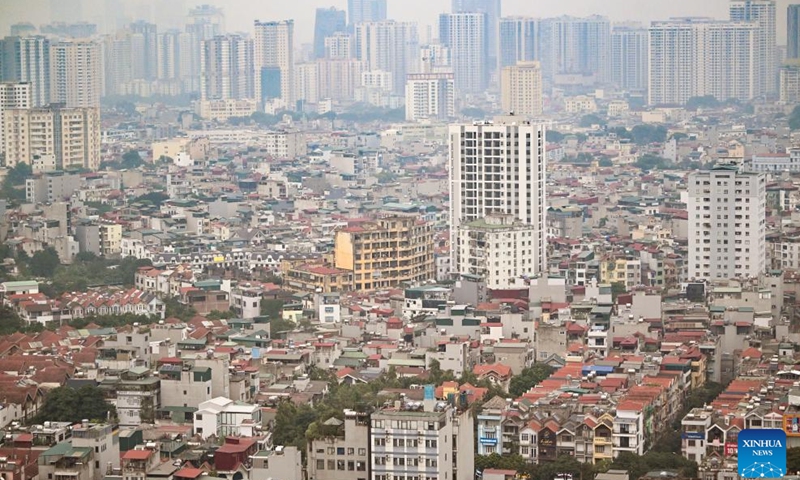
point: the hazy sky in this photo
(241, 13)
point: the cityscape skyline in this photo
(239, 14)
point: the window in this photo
(320, 464)
(351, 451)
(380, 442)
(362, 451)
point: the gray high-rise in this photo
(464, 34)
(793, 31)
(761, 12)
(493, 11)
(328, 22)
(360, 11)
(519, 40)
(27, 59)
(629, 57)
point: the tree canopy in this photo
(13, 186)
(794, 119)
(44, 262)
(528, 378)
(65, 404)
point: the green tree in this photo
(271, 308)
(156, 198)
(13, 184)
(554, 136)
(44, 262)
(174, 308)
(617, 289)
(794, 119)
(503, 462)
(64, 404)
(605, 162)
(793, 459)
(131, 159)
(706, 101)
(645, 134)
(529, 378)
(652, 162)
(591, 119)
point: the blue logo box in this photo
(762, 453)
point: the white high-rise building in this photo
(227, 68)
(13, 95)
(76, 73)
(359, 11)
(521, 89)
(465, 35)
(761, 12)
(499, 249)
(430, 96)
(695, 57)
(571, 46)
(70, 136)
(274, 49)
(388, 46)
(498, 168)
(339, 46)
(629, 58)
(27, 59)
(727, 216)
(519, 40)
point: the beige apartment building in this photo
(386, 253)
(521, 89)
(71, 136)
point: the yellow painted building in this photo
(310, 278)
(387, 252)
(603, 439)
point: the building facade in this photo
(386, 253)
(13, 95)
(487, 157)
(76, 73)
(274, 49)
(227, 68)
(519, 41)
(727, 216)
(27, 59)
(465, 35)
(629, 58)
(430, 96)
(388, 46)
(521, 89)
(71, 136)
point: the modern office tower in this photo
(274, 49)
(519, 40)
(465, 35)
(576, 46)
(389, 46)
(76, 75)
(144, 55)
(27, 59)
(762, 12)
(328, 22)
(430, 96)
(70, 136)
(629, 58)
(117, 62)
(339, 46)
(793, 31)
(339, 79)
(694, 57)
(13, 95)
(727, 215)
(359, 11)
(521, 89)
(227, 68)
(498, 168)
(386, 253)
(493, 11)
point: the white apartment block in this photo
(222, 416)
(222, 110)
(500, 249)
(76, 73)
(409, 442)
(285, 144)
(629, 58)
(761, 13)
(788, 253)
(498, 168)
(388, 46)
(13, 95)
(521, 89)
(70, 135)
(775, 162)
(430, 96)
(465, 35)
(274, 47)
(695, 57)
(727, 216)
(339, 46)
